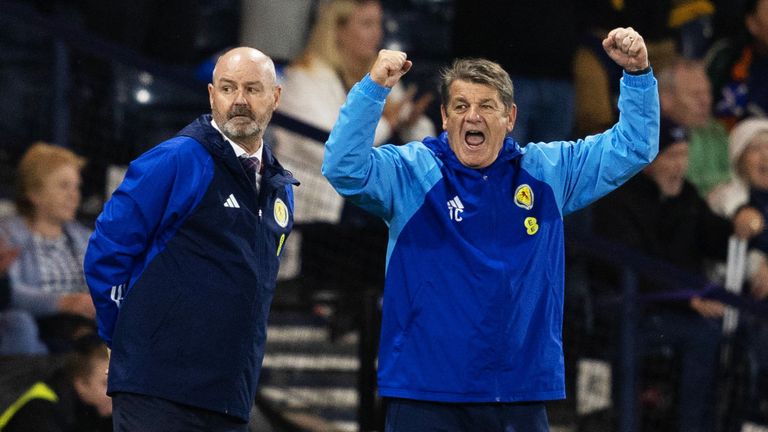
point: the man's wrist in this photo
(369, 86)
(639, 71)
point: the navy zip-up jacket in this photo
(182, 268)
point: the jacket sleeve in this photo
(376, 179)
(158, 191)
(582, 171)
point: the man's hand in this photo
(627, 48)
(389, 67)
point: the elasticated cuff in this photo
(640, 79)
(373, 89)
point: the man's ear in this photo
(511, 117)
(278, 92)
(444, 116)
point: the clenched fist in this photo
(389, 67)
(627, 48)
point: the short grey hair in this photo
(478, 71)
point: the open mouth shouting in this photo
(474, 138)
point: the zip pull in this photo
(259, 214)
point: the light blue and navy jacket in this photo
(182, 268)
(473, 299)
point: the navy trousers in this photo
(405, 415)
(134, 412)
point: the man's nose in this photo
(240, 98)
(473, 114)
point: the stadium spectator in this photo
(47, 277)
(738, 68)
(342, 45)
(748, 151)
(660, 214)
(73, 398)
(686, 99)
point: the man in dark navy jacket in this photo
(183, 262)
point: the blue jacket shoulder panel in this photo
(582, 171)
(380, 180)
(159, 188)
(398, 178)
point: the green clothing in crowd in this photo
(708, 157)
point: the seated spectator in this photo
(660, 214)
(686, 98)
(47, 277)
(738, 68)
(748, 157)
(73, 398)
(342, 45)
(748, 151)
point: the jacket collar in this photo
(510, 150)
(202, 131)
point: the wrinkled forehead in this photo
(469, 90)
(245, 68)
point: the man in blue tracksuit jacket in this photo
(183, 262)
(473, 299)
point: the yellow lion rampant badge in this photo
(281, 213)
(524, 197)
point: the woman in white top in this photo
(748, 154)
(342, 45)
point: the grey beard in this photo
(231, 131)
